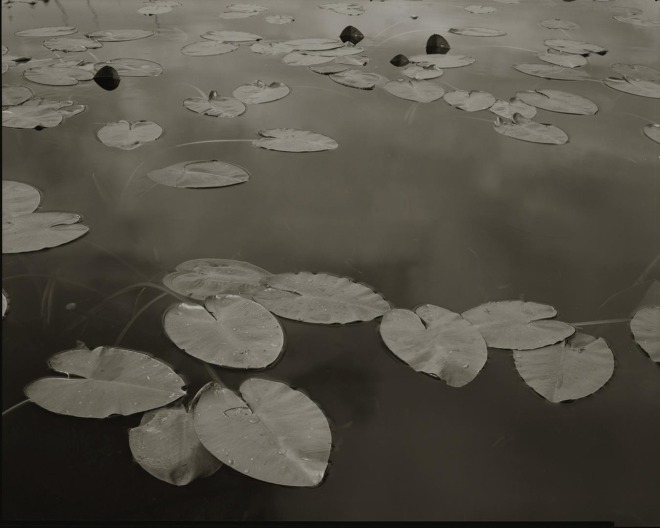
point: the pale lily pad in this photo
(39, 113)
(231, 36)
(261, 92)
(560, 58)
(320, 298)
(344, 8)
(634, 87)
(637, 72)
(638, 21)
(230, 15)
(353, 60)
(314, 44)
(329, 69)
(442, 61)
(228, 330)
(645, 326)
(199, 174)
(215, 106)
(513, 106)
(58, 75)
(279, 19)
(437, 342)
(527, 130)
(418, 91)
(652, 132)
(556, 101)
(247, 8)
(128, 136)
(44, 32)
(356, 79)
(345, 50)
(472, 101)
(549, 71)
(18, 199)
(15, 94)
(166, 446)
(420, 73)
(202, 278)
(480, 10)
(154, 9)
(518, 325)
(68, 45)
(119, 35)
(292, 140)
(270, 48)
(37, 231)
(570, 370)
(297, 58)
(108, 381)
(558, 23)
(206, 48)
(132, 67)
(575, 46)
(472, 31)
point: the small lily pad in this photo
(480, 10)
(356, 79)
(344, 8)
(549, 71)
(215, 106)
(558, 23)
(314, 44)
(128, 136)
(199, 174)
(329, 69)
(153, 9)
(638, 72)
(560, 58)
(37, 231)
(132, 67)
(261, 92)
(634, 87)
(50, 31)
(645, 326)
(292, 140)
(69, 45)
(119, 35)
(15, 94)
(652, 132)
(348, 49)
(270, 48)
(473, 31)
(18, 199)
(39, 113)
(58, 75)
(231, 36)
(418, 91)
(636, 20)
(472, 101)
(513, 106)
(557, 101)
(420, 73)
(297, 58)
(207, 48)
(519, 127)
(575, 46)
(442, 61)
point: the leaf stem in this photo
(14, 407)
(602, 322)
(136, 316)
(212, 373)
(213, 141)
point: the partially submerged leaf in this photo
(270, 432)
(420, 73)
(560, 58)
(37, 231)
(199, 174)
(437, 342)
(119, 35)
(556, 101)
(526, 130)
(351, 34)
(518, 325)
(320, 298)
(132, 67)
(356, 79)
(314, 44)
(575, 46)
(15, 94)
(638, 72)
(39, 113)
(19, 198)
(634, 87)
(108, 381)
(418, 91)
(652, 132)
(569, 370)
(329, 69)
(442, 61)
(261, 92)
(548, 71)
(297, 58)
(231, 36)
(558, 23)
(292, 140)
(228, 330)
(50, 31)
(347, 49)
(472, 31)
(437, 44)
(154, 9)
(280, 19)
(480, 10)
(128, 136)
(638, 21)
(513, 106)
(353, 60)
(58, 75)
(107, 78)
(645, 326)
(270, 48)
(207, 48)
(215, 106)
(166, 446)
(68, 44)
(344, 8)
(472, 101)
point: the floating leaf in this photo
(71, 44)
(421, 73)
(570, 370)
(207, 48)
(645, 326)
(270, 48)
(634, 87)
(270, 432)
(348, 49)
(215, 106)
(150, 10)
(472, 31)
(437, 342)
(314, 44)
(652, 132)
(556, 101)
(15, 94)
(560, 58)
(344, 9)
(39, 113)
(480, 10)
(44, 32)
(261, 92)
(399, 60)
(514, 106)
(231, 36)
(329, 69)
(418, 91)
(638, 21)
(356, 79)
(247, 8)
(437, 44)
(166, 446)
(128, 136)
(199, 174)
(37, 231)
(518, 325)
(547, 71)
(280, 19)
(526, 130)
(558, 23)
(351, 34)
(5, 303)
(132, 67)
(229, 15)
(111, 381)
(292, 140)
(107, 78)
(442, 61)
(320, 298)
(58, 75)
(297, 58)
(228, 330)
(119, 35)
(637, 72)
(472, 101)
(202, 278)
(575, 46)
(18, 199)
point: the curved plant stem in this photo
(136, 316)
(60, 279)
(205, 96)
(212, 373)
(602, 322)
(213, 141)
(14, 407)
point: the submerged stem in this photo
(205, 96)
(213, 141)
(602, 322)
(14, 407)
(136, 316)
(212, 373)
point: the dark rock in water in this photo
(399, 60)
(351, 34)
(107, 78)
(437, 45)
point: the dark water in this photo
(428, 205)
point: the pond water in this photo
(423, 202)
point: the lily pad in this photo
(292, 140)
(437, 342)
(153, 9)
(202, 278)
(513, 106)
(132, 67)
(634, 87)
(558, 23)
(68, 45)
(231, 36)
(314, 44)
(480, 10)
(353, 60)
(199, 174)
(560, 58)
(58, 75)
(261, 92)
(645, 326)
(119, 35)
(637, 72)
(228, 330)
(215, 106)
(128, 136)
(5, 303)
(556, 101)
(652, 132)
(347, 49)
(472, 31)
(230, 15)
(207, 48)
(527, 130)
(442, 61)
(570, 370)
(247, 8)
(166, 446)
(351, 34)
(108, 381)
(575, 46)
(329, 69)
(548, 71)
(50, 31)
(15, 94)
(344, 8)
(320, 298)
(472, 101)
(356, 79)
(638, 21)
(420, 73)
(437, 44)
(418, 91)
(18, 199)
(280, 19)
(518, 325)
(37, 231)
(39, 113)
(297, 58)
(270, 48)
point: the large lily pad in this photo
(128, 136)
(39, 113)
(314, 44)
(297, 58)
(345, 50)
(421, 73)
(166, 446)
(638, 72)
(199, 174)
(570, 370)
(418, 91)
(132, 67)
(202, 278)
(652, 132)
(557, 101)
(344, 8)
(472, 31)
(119, 35)
(549, 71)
(507, 109)
(329, 69)
(58, 75)
(645, 326)
(442, 61)
(206, 48)
(356, 79)
(634, 87)
(292, 140)
(19, 199)
(558, 23)
(575, 46)
(261, 92)
(472, 101)
(50, 31)
(215, 106)
(320, 298)
(231, 36)
(37, 231)
(559, 58)
(69, 45)
(519, 127)
(270, 432)
(108, 381)
(270, 48)
(15, 94)
(518, 325)
(435, 341)
(228, 330)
